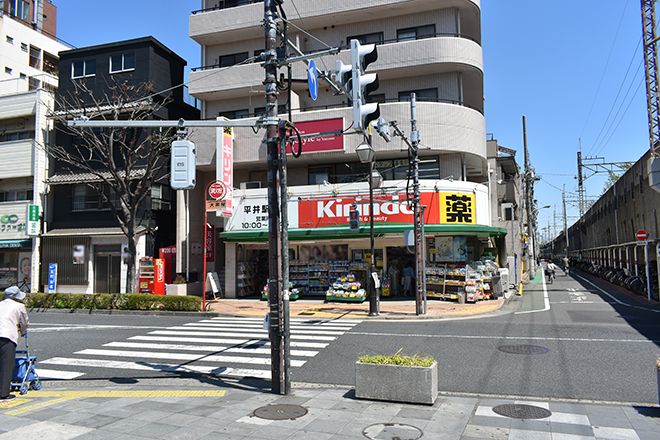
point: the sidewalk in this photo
(208, 408)
(389, 308)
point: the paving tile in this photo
(416, 413)
(187, 433)
(573, 429)
(97, 421)
(46, 430)
(330, 426)
(96, 434)
(520, 434)
(574, 419)
(569, 408)
(501, 422)
(151, 416)
(542, 425)
(156, 430)
(616, 433)
(486, 432)
(123, 426)
(273, 432)
(308, 435)
(180, 419)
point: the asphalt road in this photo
(586, 339)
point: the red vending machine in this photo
(159, 280)
(146, 275)
(152, 276)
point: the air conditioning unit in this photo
(250, 185)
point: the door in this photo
(107, 269)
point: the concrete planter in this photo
(176, 289)
(396, 383)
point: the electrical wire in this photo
(605, 69)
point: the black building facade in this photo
(83, 235)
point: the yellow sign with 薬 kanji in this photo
(457, 209)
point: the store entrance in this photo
(400, 259)
(252, 270)
(107, 269)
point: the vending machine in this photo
(146, 275)
(151, 276)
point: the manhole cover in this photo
(392, 431)
(280, 412)
(518, 411)
(523, 349)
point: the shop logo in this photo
(9, 218)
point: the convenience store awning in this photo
(380, 230)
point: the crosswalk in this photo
(232, 347)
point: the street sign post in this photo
(641, 235)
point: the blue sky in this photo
(573, 68)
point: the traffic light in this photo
(354, 218)
(182, 165)
(363, 84)
(344, 77)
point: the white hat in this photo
(14, 292)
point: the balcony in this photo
(225, 25)
(395, 60)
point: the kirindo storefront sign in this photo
(458, 207)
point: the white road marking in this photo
(214, 348)
(262, 342)
(207, 324)
(250, 329)
(56, 374)
(222, 371)
(260, 335)
(185, 357)
(617, 300)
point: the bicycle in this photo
(551, 275)
(24, 286)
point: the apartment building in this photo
(431, 48)
(30, 69)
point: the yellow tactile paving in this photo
(26, 409)
(132, 393)
(14, 402)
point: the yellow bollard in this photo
(520, 289)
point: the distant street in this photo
(577, 338)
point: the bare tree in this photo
(122, 163)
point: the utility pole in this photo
(419, 258)
(563, 202)
(275, 331)
(528, 206)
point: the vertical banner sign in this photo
(210, 243)
(225, 169)
(52, 277)
(33, 220)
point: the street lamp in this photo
(366, 155)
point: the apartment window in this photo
(415, 33)
(318, 175)
(24, 47)
(161, 198)
(235, 114)
(20, 9)
(10, 40)
(261, 111)
(83, 68)
(86, 198)
(230, 60)
(373, 38)
(33, 83)
(35, 57)
(420, 95)
(8, 70)
(16, 136)
(122, 62)
(16, 195)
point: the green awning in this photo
(4, 244)
(380, 230)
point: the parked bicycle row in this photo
(621, 277)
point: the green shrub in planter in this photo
(119, 301)
(397, 359)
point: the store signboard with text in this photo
(319, 144)
(327, 209)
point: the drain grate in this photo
(523, 349)
(519, 411)
(392, 431)
(280, 412)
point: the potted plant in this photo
(397, 378)
(178, 287)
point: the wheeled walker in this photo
(25, 376)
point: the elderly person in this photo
(13, 319)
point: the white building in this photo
(29, 63)
(428, 47)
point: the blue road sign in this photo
(313, 80)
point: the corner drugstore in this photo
(329, 261)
